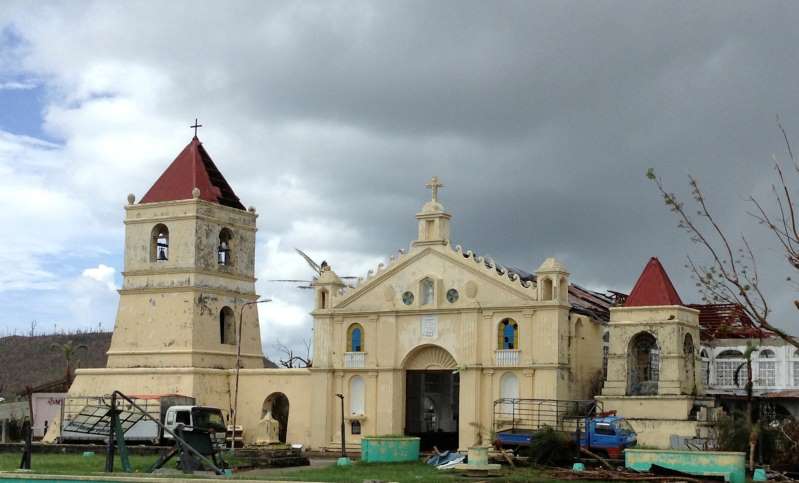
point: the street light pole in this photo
(343, 440)
(238, 367)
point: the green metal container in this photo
(389, 449)
(730, 465)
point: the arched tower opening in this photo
(643, 368)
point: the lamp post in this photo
(343, 460)
(238, 368)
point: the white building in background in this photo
(725, 332)
(775, 365)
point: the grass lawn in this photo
(402, 472)
(72, 464)
(76, 464)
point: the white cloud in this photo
(91, 298)
(17, 85)
(44, 219)
(102, 273)
(286, 319)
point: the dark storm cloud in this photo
(541, 118)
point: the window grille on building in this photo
(767, 373)
(725, 371)
(766, 368)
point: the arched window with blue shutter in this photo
(355, 338)
(508, 335)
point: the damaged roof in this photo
(588, 302)
(727, 321)
(193, 168)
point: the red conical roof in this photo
(193, 168)
(653, 288)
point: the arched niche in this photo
(277, 404)
(227, 326)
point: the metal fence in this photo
(535, 414)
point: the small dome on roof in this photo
(432, 207)
(328, 276)
(552, 265)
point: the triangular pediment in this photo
(473, 277)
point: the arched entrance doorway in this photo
(432, 397)
(278, 404)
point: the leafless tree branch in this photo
(732, 275)
(289, 359)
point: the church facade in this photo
(424, 345)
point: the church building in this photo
(424, 344)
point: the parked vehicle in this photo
(517, 421)
(87, 419)
(204, 418)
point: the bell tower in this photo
(189, 270)
(653, 376)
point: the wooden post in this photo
(109, 450)
(25, 464)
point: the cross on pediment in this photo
(434, 185)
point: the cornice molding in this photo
(184, 271)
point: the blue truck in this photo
(517, 421)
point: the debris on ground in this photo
(620, 474)
(445, 460)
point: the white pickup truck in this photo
(84, 419)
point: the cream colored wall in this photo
(585, 356)
(301, 388)
(208, 386)
(466, 329)
(656, 433)
(655, 417)
(673, 408)
(669, 325)
(167, 336)
(168, 313)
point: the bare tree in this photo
(730, 275)
(32, 330)
(289, 358)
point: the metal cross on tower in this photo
(434, 185)
(195, 126)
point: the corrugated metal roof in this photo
(727, 321)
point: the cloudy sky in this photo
(541, 119)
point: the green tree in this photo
(70, 352)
